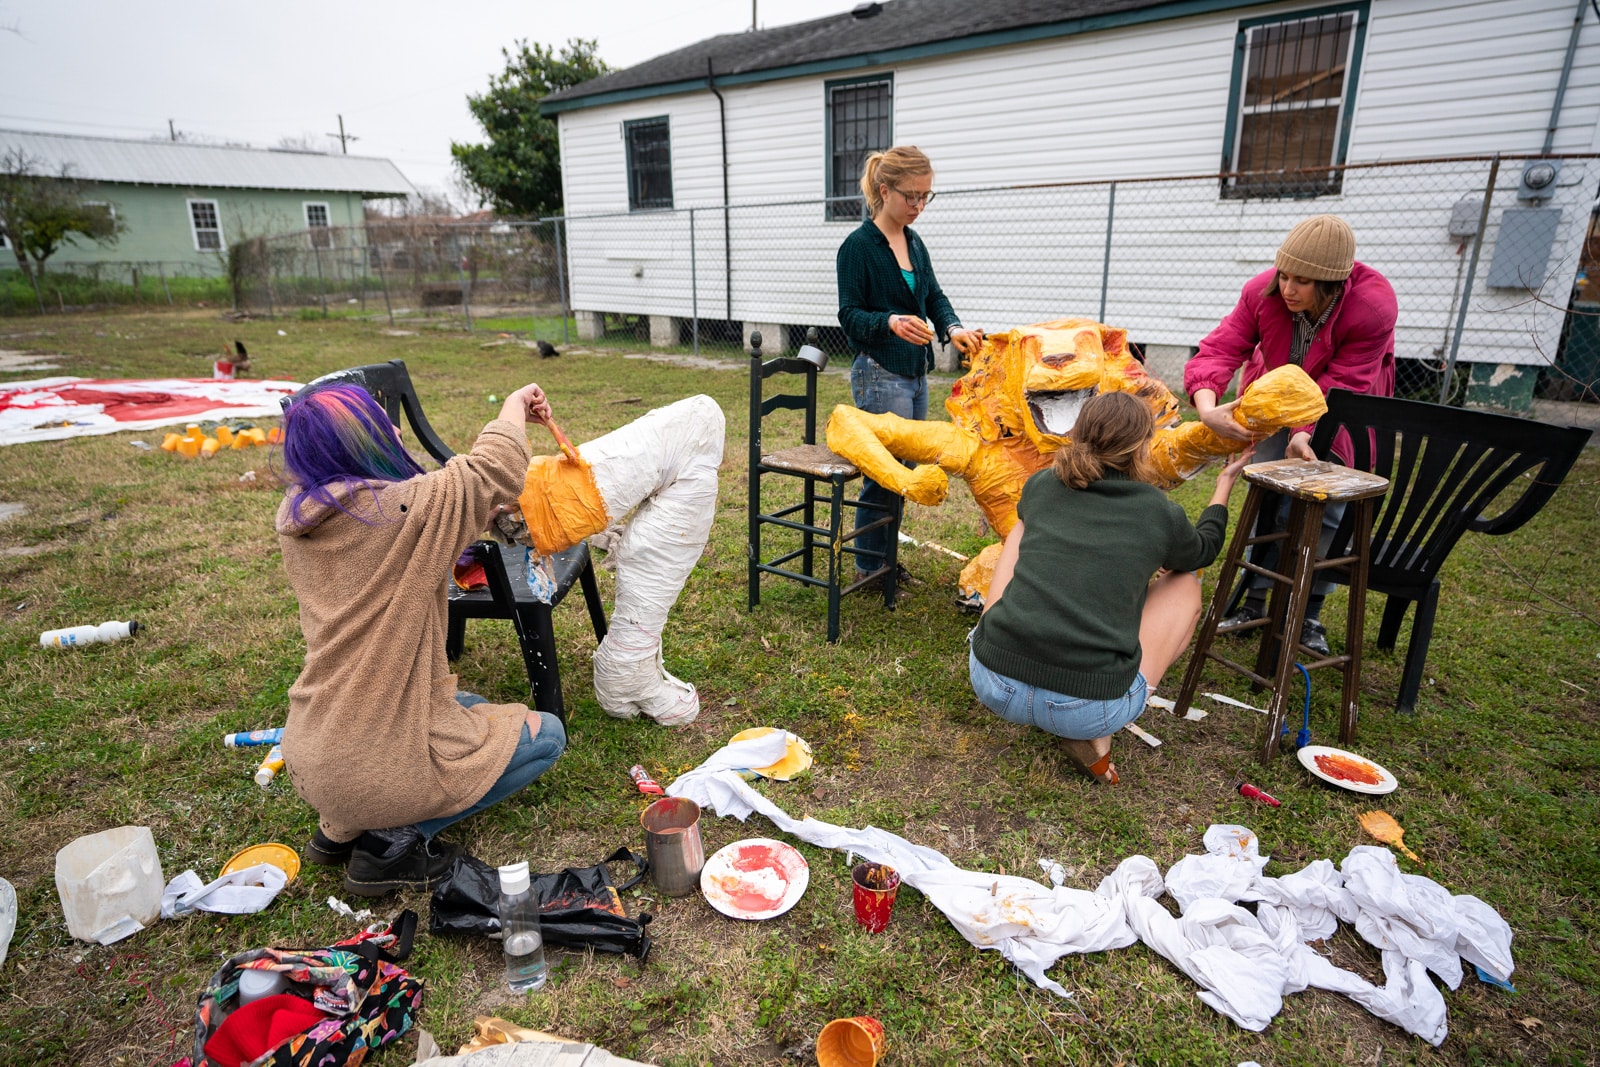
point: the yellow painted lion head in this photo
(1032, 381)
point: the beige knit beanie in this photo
(1322, 247)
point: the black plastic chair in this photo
(1445, 466)
(505, 566)
(815, 465)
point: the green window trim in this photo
(845, 210)
(1361, 9)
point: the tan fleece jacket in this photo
(375, 737)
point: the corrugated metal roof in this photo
(106, 159)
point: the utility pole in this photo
(172, 131)
(753, 15)
(344, 147)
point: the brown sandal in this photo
(1101, 770)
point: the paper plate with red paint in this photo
(755, 879)
(1347, 770)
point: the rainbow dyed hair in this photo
(336, 433)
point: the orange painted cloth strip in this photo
(560, 501)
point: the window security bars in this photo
(860, 122)
(1295, 76)
(649, 143)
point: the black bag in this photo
(578, 907)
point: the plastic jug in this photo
(8, 917)
(110, 884)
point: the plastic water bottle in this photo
(73, 636)
(522, 942)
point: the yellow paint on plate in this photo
(283, 857)
(795, 760)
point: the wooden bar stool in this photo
(1311, 485)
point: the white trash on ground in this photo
(1244, 963)
(244, 892)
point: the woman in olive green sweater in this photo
(1075, 633)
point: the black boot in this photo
(386, 860)
(1314, 637)
(325, 851)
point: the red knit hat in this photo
(259, 1027)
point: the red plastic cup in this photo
(876, 886)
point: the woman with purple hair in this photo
(378, 740)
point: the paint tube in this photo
(270, 766)
(645, 783)
(253, 737)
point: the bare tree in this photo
(41, 214)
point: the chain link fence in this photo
(494, 275)
(68, 286)
(1491, 274)
(1485, 274)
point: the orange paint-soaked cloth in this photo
(561, 502)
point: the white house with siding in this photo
(1065, 98)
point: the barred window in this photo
(1293, 81)
(649, 144)
(860, 122)
(317, 225)
(206, 225)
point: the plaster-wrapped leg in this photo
(663, 468)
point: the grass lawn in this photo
(1498, 766)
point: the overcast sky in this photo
(399, 71)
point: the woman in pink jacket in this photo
(1321, 310)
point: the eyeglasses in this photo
(916, 199)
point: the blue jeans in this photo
(882, 392)
(533, 756)
(1055, 713)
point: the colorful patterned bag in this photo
(369, 1000)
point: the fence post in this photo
(270, 277)
(322, 282)
(1466, 292)
(383, 280)
(694, 287)
(358, 267)
(560, 222)
(533, 239)
(1105, 264)
(162, 270)
(466, 299)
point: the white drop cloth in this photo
(50, 409)
(1244, 963)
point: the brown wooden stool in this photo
(1311, 486)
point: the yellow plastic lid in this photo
(283, 857)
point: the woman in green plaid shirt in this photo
(891, 306)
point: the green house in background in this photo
(183, 204)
